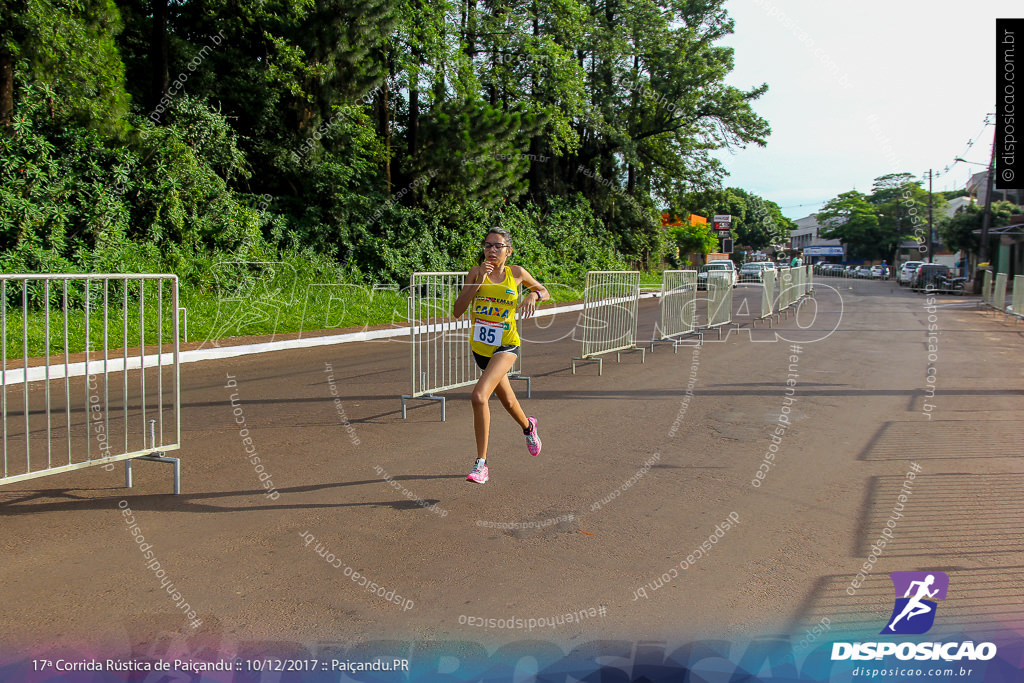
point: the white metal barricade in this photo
(999, 294)
(441, 358)
(1018, 296)
(719, 300)
(767, 294)
(678, 306)
(795, 279)
(127, 404)
(786, 289)
(986, 288)
(609, 317)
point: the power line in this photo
(937, 174)
(797, 206)
(970, 145)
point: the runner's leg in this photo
(497, 368)
(511, 403)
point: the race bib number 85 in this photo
(489, 333)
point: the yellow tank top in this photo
(493, 315)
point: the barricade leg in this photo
(643, 356)
(156, 456)
(525, 379)
(598, 360)
(426, 397)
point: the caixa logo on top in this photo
(913, 613)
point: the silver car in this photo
(751, 272)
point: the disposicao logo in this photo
(913, 614)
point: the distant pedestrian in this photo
(491, 294)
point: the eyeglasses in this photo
(493, 245)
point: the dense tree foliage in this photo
(371, 137)
(687, 242)
(957, 232)
(757, 223)
(851, 218)
(873, 226)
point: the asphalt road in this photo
(636, 473)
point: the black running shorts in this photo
(482, 361)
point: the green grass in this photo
(650, 278)
(261, 304)
(122, 323)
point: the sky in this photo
(858, 90)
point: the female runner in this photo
(491, 289)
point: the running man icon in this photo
(916, 588)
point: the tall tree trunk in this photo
(533, 176)
(536, 41)
(6, 88)
(384, 129)
(470, 24)
(414, 81)
(6, 74)
(158, 58)
(635, 100)
(414, 117)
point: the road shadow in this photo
(21, 503)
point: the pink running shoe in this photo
(479, 473)
(532, 437)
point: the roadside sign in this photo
(823, 251)
(722, 218)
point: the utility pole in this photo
(930, 246)
(986, 218)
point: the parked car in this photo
(906, 274)
(719, 268)
(877, 272)
(863, 272)
(928, 275)
(751, 272)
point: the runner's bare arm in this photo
(529, 282)
(474, 279)
(535, 288)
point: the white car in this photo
(906, 273)
(717, 266)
